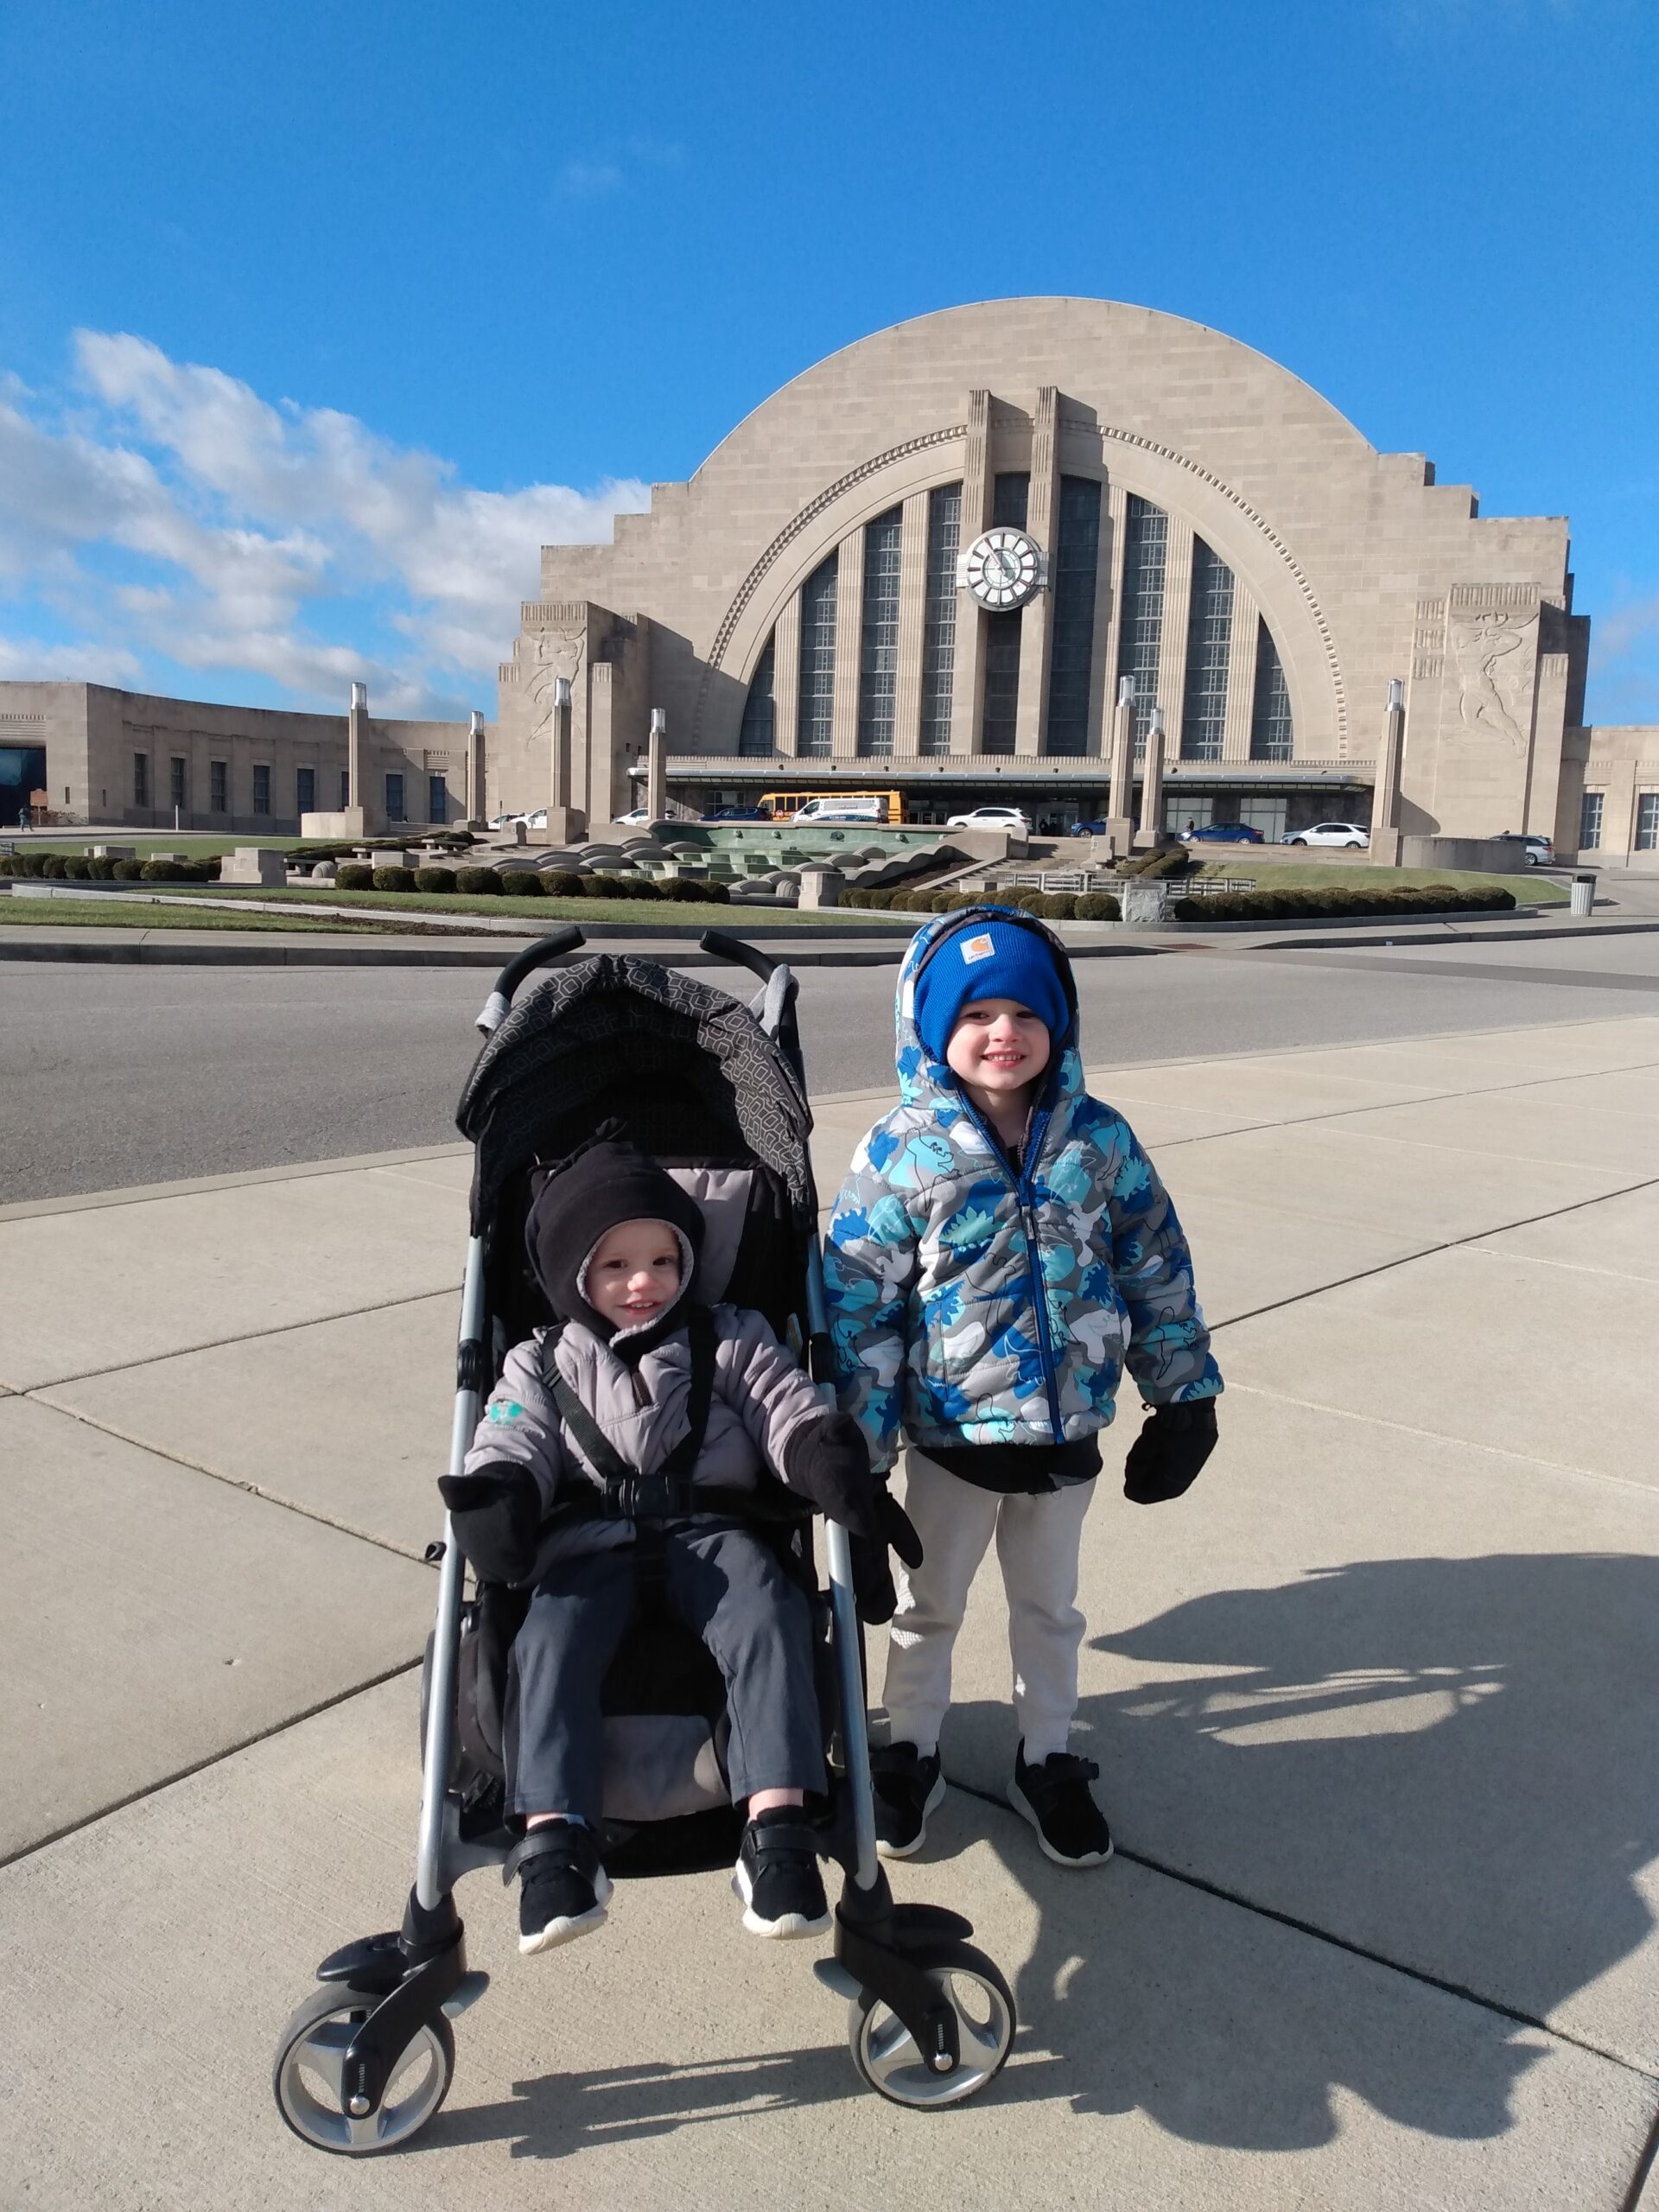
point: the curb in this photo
(354, 953)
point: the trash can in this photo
(1583, 894)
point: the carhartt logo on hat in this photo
(977, 948)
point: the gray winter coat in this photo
(761, 1399)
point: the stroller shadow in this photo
(1447, 1762)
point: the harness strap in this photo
(668, 1493)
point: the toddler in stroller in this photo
(713, 1091)
(635, 1381)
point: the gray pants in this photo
(728, 1588)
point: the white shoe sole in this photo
(1021, 1805)
(789, 1927)
(567, 1927)
(935, 1799)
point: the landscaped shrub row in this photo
(79, 867)
(1051, 906)
(1167, 859)
(525, 883)
(1395, 903)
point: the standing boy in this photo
(1001, 1249)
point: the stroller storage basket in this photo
(713, 1089)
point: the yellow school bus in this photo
(873, 807)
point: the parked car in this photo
(635, 814)
(1539, 852)
(991, 818)
(734, 814)
(1332, 833)
(1087, 830)
(1223, 833)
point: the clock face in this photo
(1002, 569)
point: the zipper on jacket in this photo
(1022, 1198)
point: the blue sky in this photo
(316, 320)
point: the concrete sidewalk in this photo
(1374, 1706)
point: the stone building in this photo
(1181, 512)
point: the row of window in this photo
(1647, 822)
(1073, 580)
(305, 789)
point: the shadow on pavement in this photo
(1447, 1762)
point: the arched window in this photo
(878, 647)
(815, 720)
(1209, 643)
(1076, 562)
(1271, 734)
(759, 729)
(1145, 542)
(939, 617)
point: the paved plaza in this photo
(1374, 1706)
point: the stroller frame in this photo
(931, 2018)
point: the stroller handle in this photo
(539, 955)
(741, 952)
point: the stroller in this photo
(716, 1092)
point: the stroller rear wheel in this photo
(306, 2075)
(885, 2051)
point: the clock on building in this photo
(1002, 569)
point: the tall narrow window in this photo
(394, 797)
(939, 617)
(1145, 542)
(1647, 822)
(758, 731)
(1270, 728)
(997, 724)
(219, 787)
(1071, 635)
(815, 716)
(1011, 500)
(878, 649)
(345, 789)
(437, 798)
(305, 791)
(141, 780)
(1590, 821)
(262, 790)
(1209, 642)
(177, 773)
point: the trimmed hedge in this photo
(1165, 861)
(129, 871)
(1096, 906)
(1398, 902)
(435, 879)
(521, 883)
(392, 878)
(354, 875)
(176, 872)
(690, 891)
(562, 883)
(478, 882)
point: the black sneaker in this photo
(1054, 1797)
(562, 1889)
(777, 1876)
(907, 1789)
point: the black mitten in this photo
(497, 1515)
(828, 1462)
(1174, 1443)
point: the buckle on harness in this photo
(649, 1498)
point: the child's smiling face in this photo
(634, 1273)
(998, 1047)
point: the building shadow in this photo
(1448, 1762)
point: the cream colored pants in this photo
(1037, 1541)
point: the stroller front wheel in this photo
(306, 2075)
(885, 2051)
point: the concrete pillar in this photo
(565, 821)
(1042, 513)
(913, 595)
(968, 691)
(849, 626)
(786, 677)
(1120, 824)
(1152, 782)
(657, 767)
(1102, 666)
(356, 746)
(476, 800)
(1385, 796)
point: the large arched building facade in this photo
(1189, 515)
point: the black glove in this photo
(829, 1462)
(497, 1514)
(1174, 1443)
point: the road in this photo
(112, 1076)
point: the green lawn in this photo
(146, 842)
(1531, 887)
(129, 914)
(644, 912)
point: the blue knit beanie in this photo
(988, 960)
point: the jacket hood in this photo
(923, 1081)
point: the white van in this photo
(837, 806)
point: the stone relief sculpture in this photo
(548, 654)
(1486, 648)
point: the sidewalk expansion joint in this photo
(209, 1759)
(1462, 1991)
(1428, 1252)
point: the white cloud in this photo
(227, 518)
(33, 660)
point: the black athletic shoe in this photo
(907, 1789)
(1054, 1797)
(562, 1889)
(777, 1876)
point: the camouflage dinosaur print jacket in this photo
(973, 1304)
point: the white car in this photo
(1332, 833)
(991, 818)
(635, 814)
(1539, 852)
